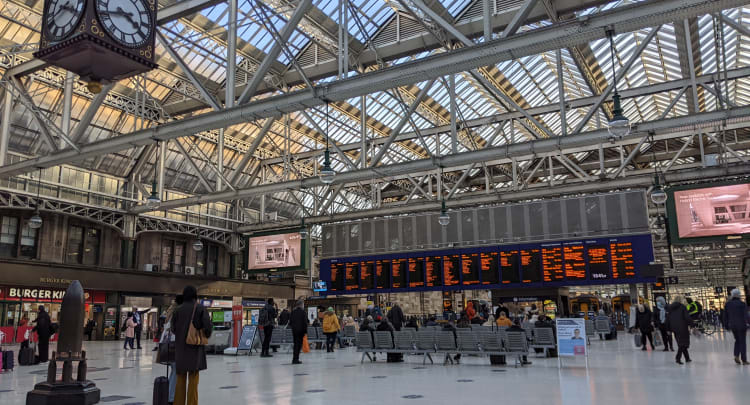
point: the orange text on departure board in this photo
(468, 268)
(622, 260)
(432, 268)
(397, 273)
(553, 264)
(575, 265)
(598, 264)
(365, 273)
(415, 272)
(506, 265)
(351, 276)
(488, 261)
(450, 270)
(379, 273)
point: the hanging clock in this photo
(100, 40)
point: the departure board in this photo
(367, 275)
(531, 269)
(598, 258)
(398, 271)
(337, 276)
(509, 267)
(587, 261)
(416, 271)
(383, 273)
(622, 260)
(489, 263)
(450, 270)
(470, 269)
(575, 263)
(433, 266)
(352, 275)
(552, 262)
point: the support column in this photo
(66, 107)
(487, 20)
(561, 93)
(5, 124)
(162, 158)
(363, 127)
(454, 130)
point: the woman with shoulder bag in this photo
(166, 348)
(191, 325)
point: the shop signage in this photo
(247, 337)
(253, 303)
(571, 336)
(37, 293)
(222, 303)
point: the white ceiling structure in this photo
(478, 102)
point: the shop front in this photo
(19, 308)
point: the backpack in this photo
(263, 317)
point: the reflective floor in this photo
(617, 373)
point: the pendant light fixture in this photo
(619, 125)
(153, 200)
(658, 195)
(327, 174)
(444, 219)
(197, 243)
(35, 222)
(303, 233)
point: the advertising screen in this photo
(274, 251)
(720, 210)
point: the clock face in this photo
(62, 17)
(126, 21)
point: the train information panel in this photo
(556, 264)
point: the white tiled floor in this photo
(617, 374)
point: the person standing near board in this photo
(298, 324)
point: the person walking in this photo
(189, 359)
(138, 319)
(284, 317)
(660, 320)
(680, 322)
(737, 320)
(44, 331)
(298, 324)
(266, 319)
(396, 316)
(643, 322)
(129, 332)
(331, 329)
(89, 329)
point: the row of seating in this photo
(483, 342)
(282, 336)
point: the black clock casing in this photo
(92, 53)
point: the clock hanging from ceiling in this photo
(100, 40)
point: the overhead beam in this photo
(183, 8)
(83, 124)
(251, 151)
(196, 170)
(496, 154)
(621, 19)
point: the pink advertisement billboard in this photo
(274, 251)
(713, 211)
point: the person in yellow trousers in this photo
(331, 328)
(189, 359)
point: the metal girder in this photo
(622, 19)
(207, 96)
(253, 147)
(196, 170)
(219, 174)
(183, 8)
(83, 124)
(40, 120)
(342, 156)
(519, 19)
(271, 56)
(541, 191)
(498, 154)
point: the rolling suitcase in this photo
(161, 390)
(8, 360)
(26, 356)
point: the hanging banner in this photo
(571, 337)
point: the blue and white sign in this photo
(571, 337)
(247, 337)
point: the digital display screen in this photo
(552, 261)
(450, 270)
(489, 263)
(398, 270)
(622, 260)
(598, 258)
(470, 269)
(367, 275)
(274, 251)
(337, 276)
(352, 275)
(416, 271)
(612, 260)
(531, 268)
(713, 211)
(383, 274)
(433, 267)
(575, 262)
(509, 267)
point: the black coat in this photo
(188, 357)
(284, 317)
(43, 326)
(679, 322)
(657, 318)
(298, 321)
(643, 321)
(736, 314)
(396, 316)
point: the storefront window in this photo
(212, 260)
(91, 249)
(8, 233)
(75, 245)
(28, 242)
(166, 255)
(172, 256)
(179, 257)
